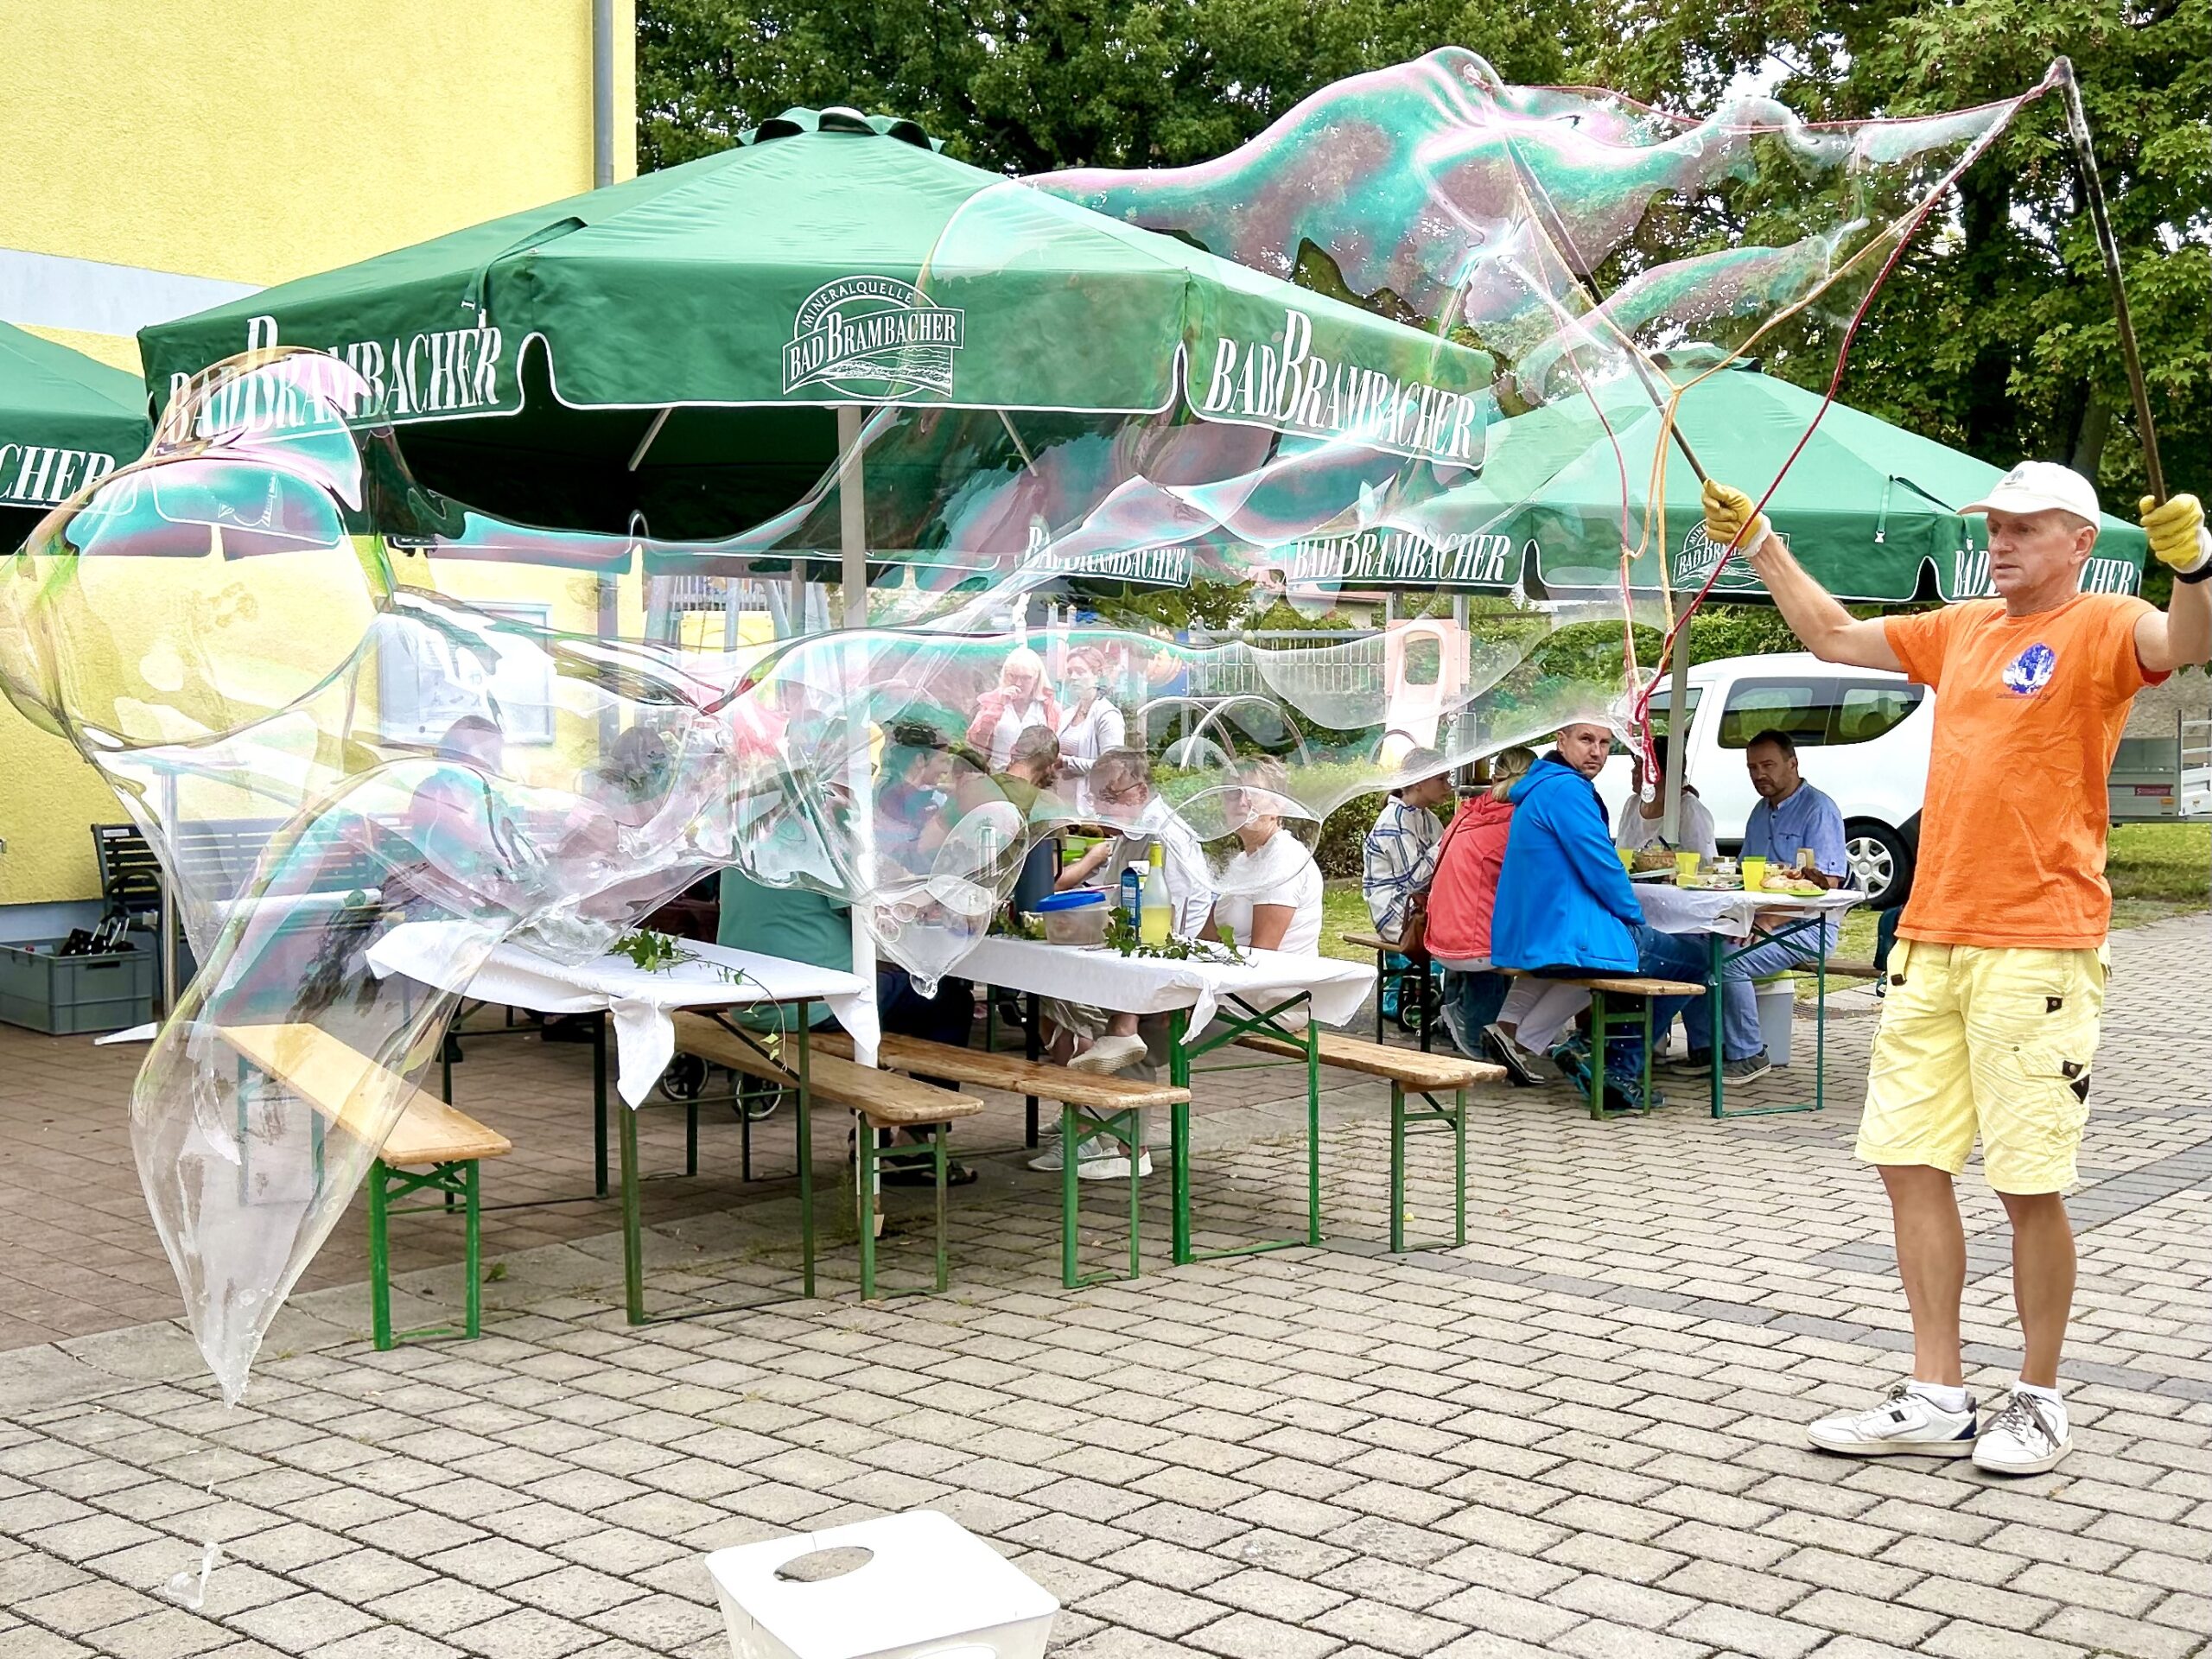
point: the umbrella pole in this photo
(1678, 740)
(852, 539)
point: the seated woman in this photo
(1270, 895)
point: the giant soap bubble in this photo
(224, 627)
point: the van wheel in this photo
(1880, 861)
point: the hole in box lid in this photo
(819, 1564)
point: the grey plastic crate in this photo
(64, 995)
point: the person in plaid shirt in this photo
(1399, 859)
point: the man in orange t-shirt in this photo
(1997, 980)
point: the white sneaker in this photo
(1112, 1168)
(1053, 1155)
(1906, 1425)
(1109, 1054)
(2026, 1438)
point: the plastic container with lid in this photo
(1076, 918)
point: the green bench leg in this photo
(870, 1156)
(379, 1258)
(1126, 1130)
(1397, 1166)
(449, 1182)
(1401, 1126)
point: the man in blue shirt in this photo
(1792, 815)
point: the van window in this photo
(1661, 707)
(1815, 713)
(1864, 712)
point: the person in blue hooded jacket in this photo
(1564, 903)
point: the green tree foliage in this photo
(1996, 335)
(1027, 87)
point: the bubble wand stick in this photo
(2093, 192)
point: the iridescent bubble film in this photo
(1426, 300)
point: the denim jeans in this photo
(1689, 956)
(1472, 1002)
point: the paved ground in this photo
(1581, 1434)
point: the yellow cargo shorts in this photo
(1994, 1042)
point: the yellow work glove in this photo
(1727, 510)
(2177, 532)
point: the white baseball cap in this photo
(2038, 487)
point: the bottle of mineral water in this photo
(1157, 915)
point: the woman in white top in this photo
(1020, 700)
(1090, 723)
(1270, 890)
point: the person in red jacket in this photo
(1461, 902)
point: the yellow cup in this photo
(1686, 867)
(1754, 873)
(1628, 859)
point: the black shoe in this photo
(1752, 1066)
(1697, 1060)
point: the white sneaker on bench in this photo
(1109, 1054)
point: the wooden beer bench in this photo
(430, 1136)
(1428, 1076)
(1089, 1104)
(881, 1100)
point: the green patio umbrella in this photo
(66, 420)
(674, 344)
(1869, 508)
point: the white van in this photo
(1862, 739)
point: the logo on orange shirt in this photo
(2029, 671)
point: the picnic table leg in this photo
(1716, 1014)
(1313, 1126)
(634, 1240)
(1033, 1049)
(598, 1108)
(1821, 1022)
(805, 1126)
(1178, 1154)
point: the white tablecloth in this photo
(640, 1003)
(1675, 910)
(1107, 979)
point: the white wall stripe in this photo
(51, 291)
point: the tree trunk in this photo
(2091, 436)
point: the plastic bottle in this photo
(1132, 892)
(1156, 915)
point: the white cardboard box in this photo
(927, 1587)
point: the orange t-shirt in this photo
(2028, 716)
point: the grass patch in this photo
(2156, 870)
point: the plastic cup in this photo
(1685, 867)
(1754, 870)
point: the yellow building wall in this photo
(254, 141)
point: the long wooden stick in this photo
(2093, 192)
